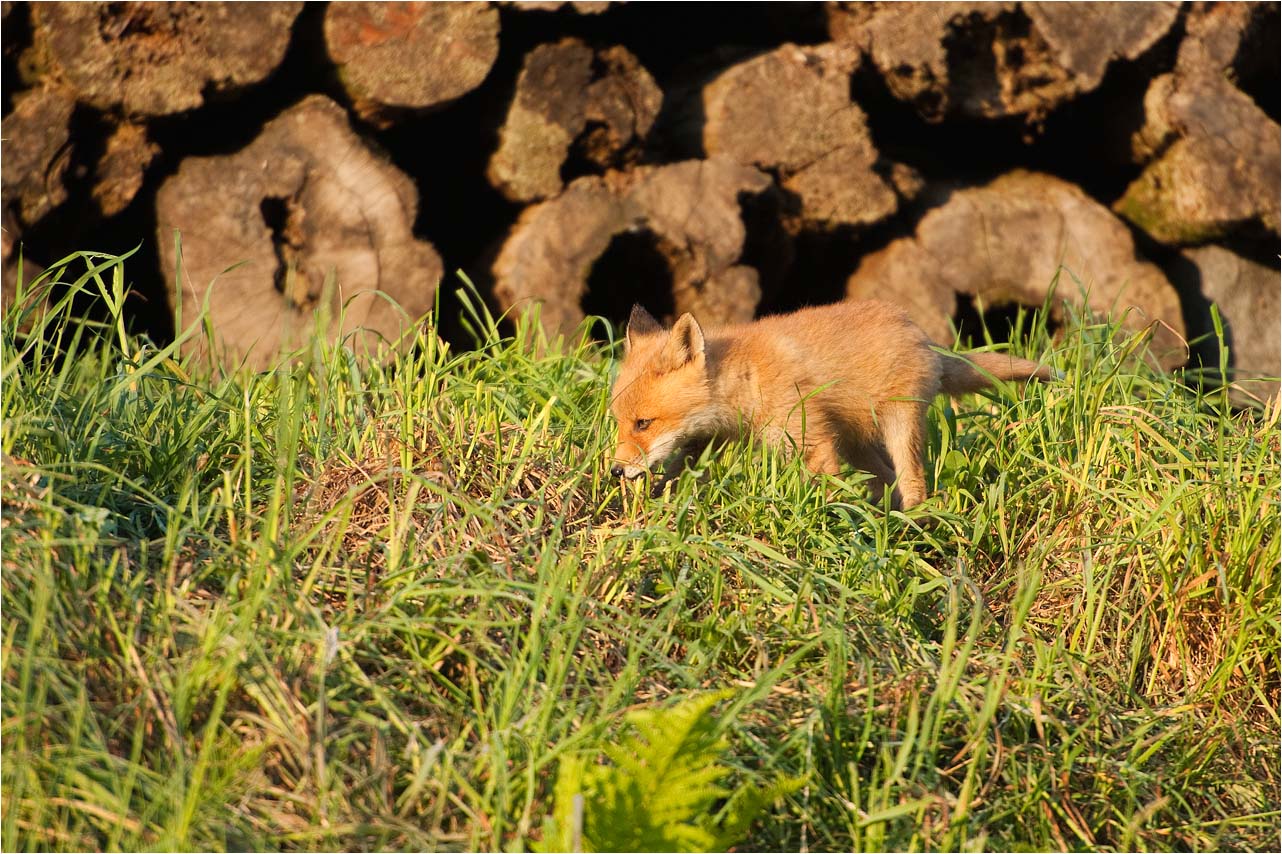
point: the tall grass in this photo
(351, 604)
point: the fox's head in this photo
(660, 399)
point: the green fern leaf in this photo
(659, 790)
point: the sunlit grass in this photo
(349, 604)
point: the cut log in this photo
(547, 114)
(153, 59)
(1008, 242)
(789, 112)
(398, 57)
(620, 107)
(691, 209)
(305, 218)
(549, 253)
(1212, 153)
(119, 173)
(907, 44)
(1231, 39)
(558, 94)
(37, 149)
(1250, 304)
(1219, 175)
(992, 60)
(1085, 37)
(694, 210)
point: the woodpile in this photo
(335, 161)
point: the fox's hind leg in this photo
(903, 428)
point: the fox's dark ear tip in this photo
(641, 320)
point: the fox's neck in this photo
(722, 415)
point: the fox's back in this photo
(853, 353)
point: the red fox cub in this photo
(850, 381)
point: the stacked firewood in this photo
(725, 169)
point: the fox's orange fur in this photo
(850, 381)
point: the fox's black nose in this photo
(616, 470)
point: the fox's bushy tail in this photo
(966, 372)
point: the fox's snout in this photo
(623, 467)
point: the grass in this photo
(355, 605)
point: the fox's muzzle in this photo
(631, 472)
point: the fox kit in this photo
(850, 381)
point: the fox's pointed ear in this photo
(640, 322)
(685, 342)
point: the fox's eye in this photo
(643, 423)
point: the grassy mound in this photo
(402, 605)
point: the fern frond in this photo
(660, 789)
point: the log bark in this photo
(153, 59)
(789, 112)
(1008, 242)
(565, 89)
(992, 60)
(315, 222)
(692, 209)
(399, 57)
(37, 150)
